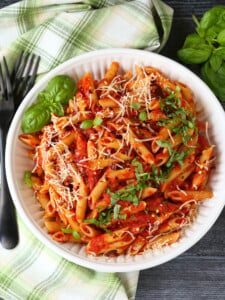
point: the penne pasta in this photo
(124, 168)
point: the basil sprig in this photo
(207, 48)
(58, 92)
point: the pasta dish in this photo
(124, 167)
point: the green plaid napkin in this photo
(33, 272)
(58, 30)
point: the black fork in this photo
(23, 75)
(8, 222)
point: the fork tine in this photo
(8, 81)
(27, 82)
(2, 82)
(26, 75)
(19, 72)
(16, 66)
(34, 73)
(22, 66)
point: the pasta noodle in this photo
(125, 169)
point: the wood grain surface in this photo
(199, 273)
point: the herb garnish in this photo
(174, 155)
(75, 234)
(86, 124)
(159, 176)
(131, 193)
(135, 105)
(59, 91)
(27, 178)
(179, 119)
(143, 116)
(105, 217)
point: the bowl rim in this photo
(92, 264)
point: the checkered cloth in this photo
(58, 30)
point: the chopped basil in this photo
(174, 155)
(122, 217)
(86, 124)
(97, 121)
(146, 210)
(179, 119)
(92, 221)
(135, 105)
(165, 144)
(75, 234)
(158, 176)
(104, 218)
(116, 211)
(143, 116)
(27, 178)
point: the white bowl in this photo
(97, 62)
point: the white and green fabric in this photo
(58, 30)
(33, 272)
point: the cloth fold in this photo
(58, 30)
(33, 272)
(69, 28)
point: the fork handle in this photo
(8, 223)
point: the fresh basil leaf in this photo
(212, 33)
(27, 178)
(35, 118)
(220, 51)
(221, 38)
(193, 41)
(45, 98)
(97, 121)
(207, 46)
(61, 89)
(215, 80)
(143, 116)
(215, 62)
(216, 15)
(57, 109)
(86, 124)
(195, 56)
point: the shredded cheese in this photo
(182, 191)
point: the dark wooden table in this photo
(199, 273)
